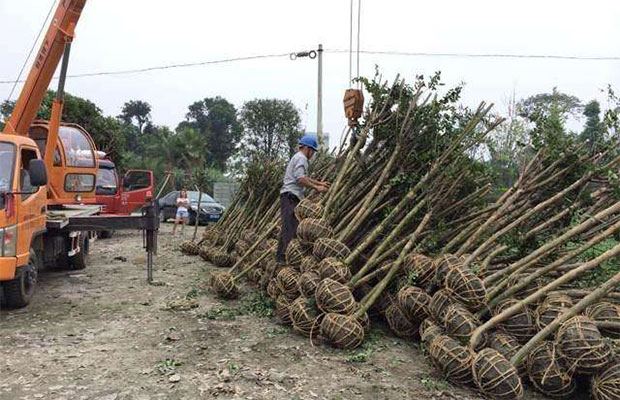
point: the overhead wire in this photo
(335, 51)
(351, 46)
(359, 29)
(34, 44)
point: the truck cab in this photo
(23, 207)
(123, 196)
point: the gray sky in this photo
(126, 34)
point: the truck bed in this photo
(59, 218)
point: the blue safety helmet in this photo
(309, 141)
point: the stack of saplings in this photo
(407, 236)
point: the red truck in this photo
(122, 196)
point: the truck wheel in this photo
(106, 234)
(19, 291)
(80, 260)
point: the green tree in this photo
(136, 112)
(107, 132)
(271, 128)
(215, 119)
(543, 104)
(593, 131)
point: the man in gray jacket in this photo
(295, 181)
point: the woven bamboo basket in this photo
(325, 248)
(606, 383)
(249, 236)
(522, 325)
(287, 281)
(465, 287)
(440, 301)
(334, 269)
(400, 323)
(308, 281)
(421, 267)
(429, 330)
(308, 209)
(444, 263)
(309, 263)
(222, 259)
(414, 302)
(343, 331)
(305, 317)
(223, 285)
(453, 360)
(294, 253)
(334, 297)
(551, 308)
(549, 374)
(605, 312)
(580, 343)
(281, 311)
(272, 289)
(460, 324)
(495, 376)
(311, 229)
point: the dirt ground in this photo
(103, 333)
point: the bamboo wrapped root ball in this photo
(465, 287)
(453, 360)
(294, 253)
(606, 383)
(287, 281)
(308, 209)
(440, 302)
(282, 310)
(548, 372)
(460, 323)
(343, 331)
(429, 330)
(580, 343)
(445, 263)
(326, 247)
(421, 268)
(522, 325)
(551, 308)
(311, 229)
(495, 376)
(334, 297)
(308, 282)
(222, 259)
(335, 269)
(605, 312)
(400, 324)
(224, 286)
(414, 302)
(305, 317)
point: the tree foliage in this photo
(543, 105)
(272, 128)
(138, 112)
(593, 131)
(215, 119)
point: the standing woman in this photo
(182, 211)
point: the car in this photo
(211, 210)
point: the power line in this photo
(334, 51)
(34, 44)
(489, 55)
(171, 66)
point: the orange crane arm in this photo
(59, 34)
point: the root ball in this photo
(325, 247)
(495, 376)
(343, 331)
(580, 343)
(287, 281)
(548, 372)
(465, 287)
(421, 267)
(414, 302)
(224, 286)
(294, 253)
(308, 281)
(400, 323)
(334, 297)
(606, 383)
(522, 325)
(311, 229)
(334, 269)
(453, 360)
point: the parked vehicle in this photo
(210, 210)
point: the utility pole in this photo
(312, 54)
(319, 106)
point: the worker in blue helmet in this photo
(296, 181)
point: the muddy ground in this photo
(103, 333)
